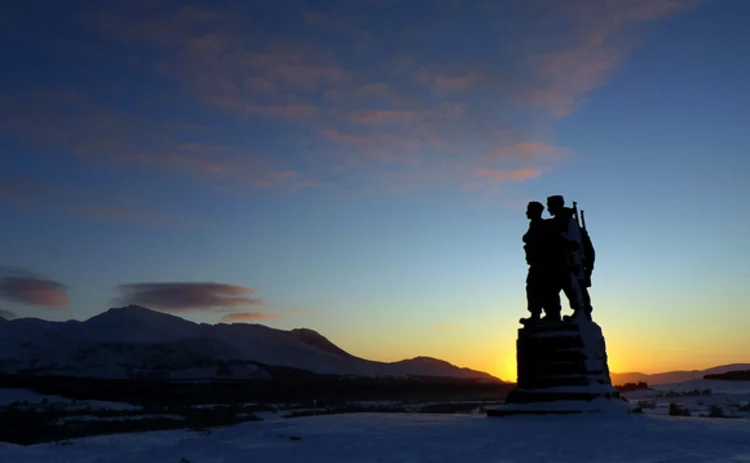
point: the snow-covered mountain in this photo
(134, 341)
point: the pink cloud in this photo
(277, 80)
(283, 175)
(401, 117)
(618, 11)
(25, 288)
(212, 60)
(101, 135)
(569, 75)
(281, 79)
(248, 317)
(502, 176)
(180, 26)
(294, 111)
(382, 146)
(564, 73)
(187, 296)
(526, 150)
(362, 93)
(30, 192)
(447, 82)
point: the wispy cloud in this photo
(501, 176)
(32, 192)
(527, 150)
(447, 81)
(305, 108)
(187, 296)
(496, 177)
(24, 287)
(248, 317)
(601, 36)
(427, 117)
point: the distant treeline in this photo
(627, 387)
(287, 385)
(742, 375)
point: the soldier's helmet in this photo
(534, 209)
(555, 203)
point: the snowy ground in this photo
(84, 418)
(419, 438)
(24, 399)
(411, 437)
(732, 397)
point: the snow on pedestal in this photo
(562, 368)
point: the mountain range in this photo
(136, 342)
(672, 377)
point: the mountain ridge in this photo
(128, 341)
(135, 341)
(676, 376)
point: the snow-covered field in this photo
(413, 437)
(24, 398)
(85, 418)
(418, 438)
(731, 397)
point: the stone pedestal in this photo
(562, 368)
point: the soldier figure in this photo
(540, 288)
(567, 249)
(589, 256)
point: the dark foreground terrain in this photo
(173, 404)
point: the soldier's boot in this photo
(534, 318)
(577, 316)
(551, 317)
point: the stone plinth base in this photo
(563, 407)
(562, 369)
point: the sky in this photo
(361, 167)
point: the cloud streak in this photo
(601, 36)
(264, 110)
(32, 192)
(430, 116)
(23, 287)
(187, 296)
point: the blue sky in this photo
(362, 167)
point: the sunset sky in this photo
(361, 167)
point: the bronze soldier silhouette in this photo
(569, 266)
(589, 256)
(540, 281)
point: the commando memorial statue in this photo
(561, 360)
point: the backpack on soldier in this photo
(589, 255)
